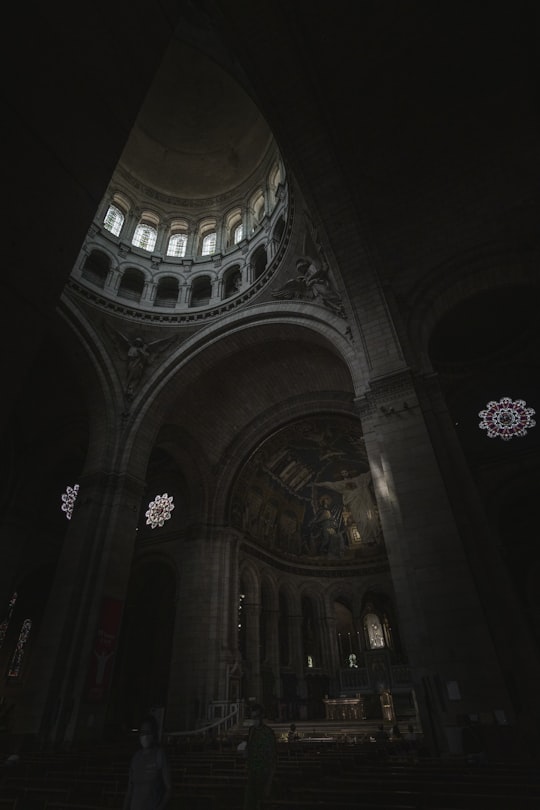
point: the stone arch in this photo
(96, 267)
(464, 275)
(131, 284)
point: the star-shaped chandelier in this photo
(159, 510)
(506, 418)
(68, 500)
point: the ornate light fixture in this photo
(506, 418)
(159, 510)
(68, 500)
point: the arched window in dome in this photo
(274, 179)
(178, 239)
(374, 631)
(96, 268)
(177, 245)
(167, 292)
(145, 236)
(114, 219)
(238, 233)
(257, 209)
(201, 291)
(209, 244)
(234, 227)
(131, 285)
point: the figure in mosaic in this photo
(358, 500)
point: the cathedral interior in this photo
(271, 368)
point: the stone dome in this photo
(198, 134)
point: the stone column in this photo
(329, 647)
(296, 647)
(94, 565)
(149, 293)
(272, 646)
(217, 287)
(205, 637)
(12, 549)
(252, 611)
(441, 617)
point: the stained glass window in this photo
(4, 624)
(159, 510)
(68, 500)
(16, 661)
(506, 418)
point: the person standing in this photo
(261, 754)
(411, 741)
(382, 739)
(149, 780)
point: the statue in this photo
(138, 353)
(311, 284)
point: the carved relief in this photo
(312, 283)
(138, 354)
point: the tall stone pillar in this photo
(91, 577)
(453, 661)
(271, 618)
(329, 648)
(252, 612)
(205, 635)
(15, 536)
(296, 647)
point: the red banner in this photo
(103, 649)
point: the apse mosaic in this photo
(506, 418)
(307, 491)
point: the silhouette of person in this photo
(261, 760)
(149, 780)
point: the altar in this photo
(351, 708)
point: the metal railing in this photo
(215, 728)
